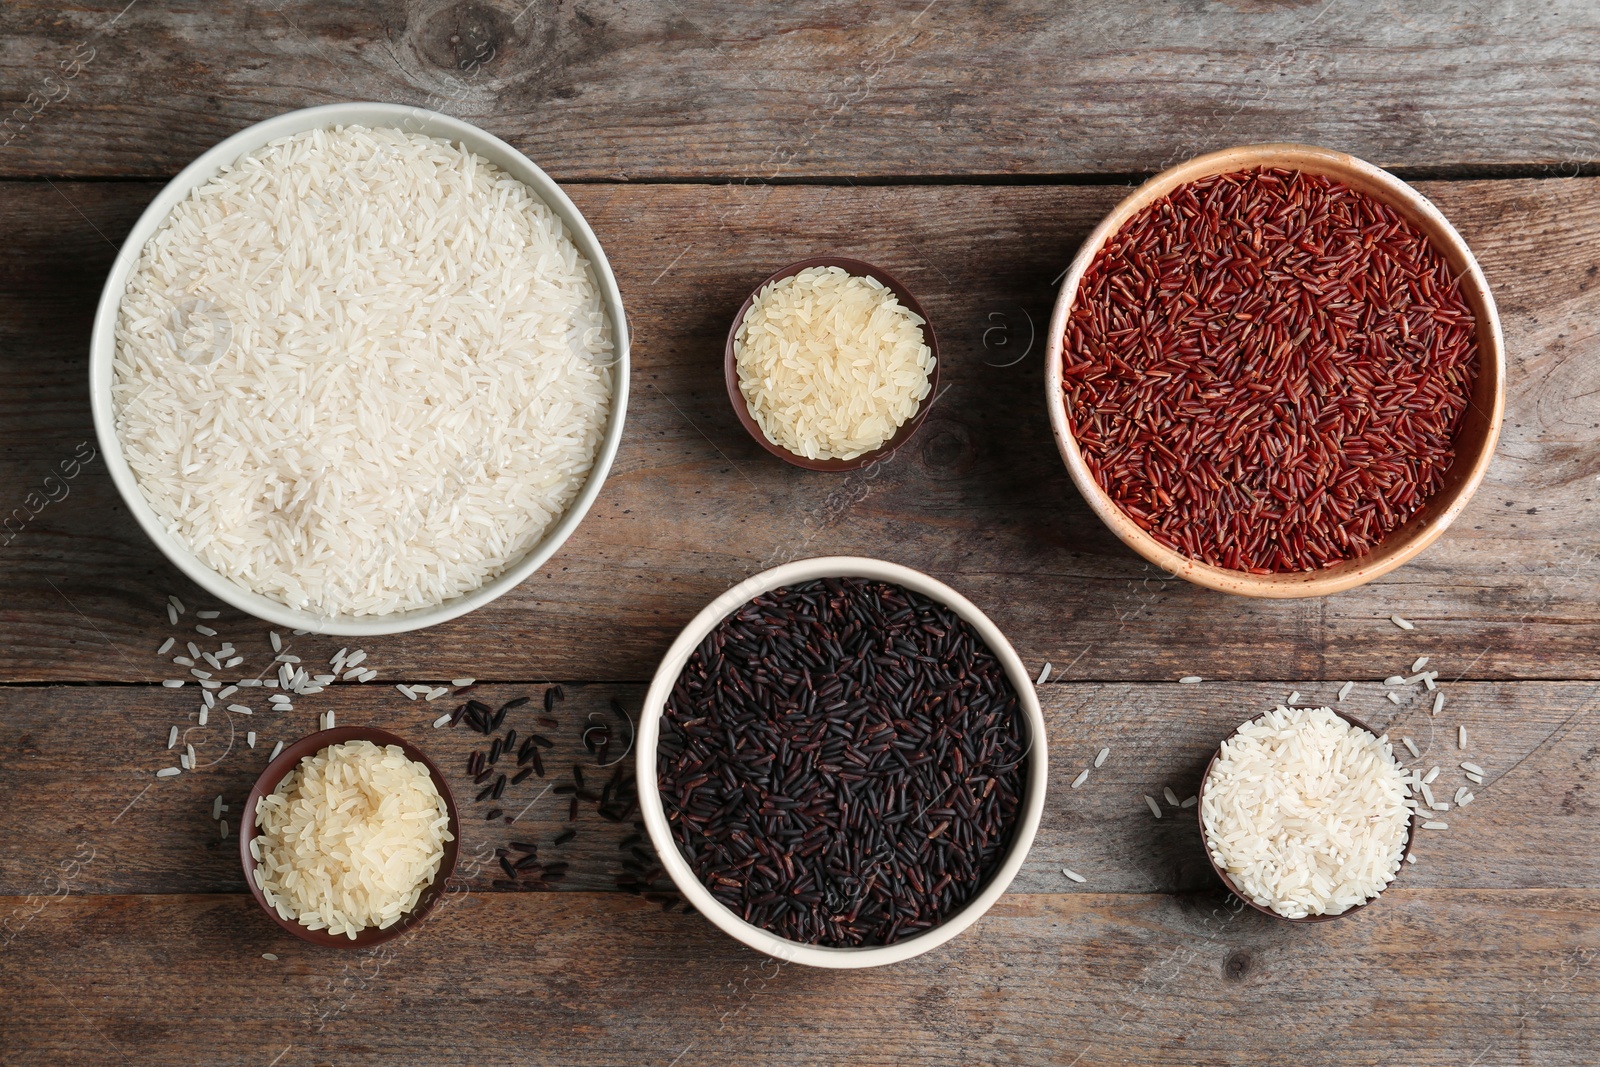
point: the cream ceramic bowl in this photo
(688, 882)
(1475, 442)
(102, 348)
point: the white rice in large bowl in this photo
(350, 838)
(361, 372)
(1306, 812)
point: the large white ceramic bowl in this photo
(102, 348)
(655, 819)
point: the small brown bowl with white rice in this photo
(329, 789)
(815, 419)
(1305, 814)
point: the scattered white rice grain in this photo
(250, 739)
(299, 633)
(169, 772)
(358, 657)
(1101, 756)
(1429, 679)
(1411, 857)
(224, 694)
(172, 737)
(437, 691)
(1044, 674)
(1345, 690)
(1435, 824)
(1083, 776)
(1475, 779)
(277, 642)
(173, 683)
(1394, 679)
(198, 673)
(310, 690)
(338, 657)
(352, 675)
(1155, 809)
(1411, 746)
(1427, 794)
(1191, 802)
(205, 631)
(1461, 736)
(405, 691)
(183, 661)
(1294, 698)
(222, 828)
(286, 659)
(166, 646)
(1440, 805)
(324, 679)
(1431, 776)
(205, 715)
(370, 675)
(1418, 663)
(233, 661)
(1465, 798)
(1438, 703)
(462, 683)
(184, 762)
(443, 720)
(329, 721)
(277, 748)
(1404, 624)
(207, 614)
(1461, 791)
(194, 649)
(250, 683)
(241, 709)
(1473, 768)
(269, 956)
(1172, 798)
(1190, 679)
(172, 598)
(216, 808)
(1074, 875)
(1395, 697)
(210, 683)
(172, 615)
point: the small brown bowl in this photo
(907, 428)
(279, 769)
(1475, 441)
(1411, 830)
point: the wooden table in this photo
(969, 149)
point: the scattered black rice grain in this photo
(505, 865)
(494, 752)
(554, 876)
(499, 787)
(549, 700)
(813, 746)
(524, 846)
(537, 761)
(517, 703)
(572, 812)
(455, 719)
(499, 717)
(484, 795)
(494, 814)
(542, 741)
(510, 741)
(564, 836)
(526, 862)
(521, 776)
(501, 883)
(577, 776)
(482, 776)
(564, 790)
(545, 720)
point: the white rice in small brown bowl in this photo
(360, 369)
(1305, 814)
(349, 837)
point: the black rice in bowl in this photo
(841, 762)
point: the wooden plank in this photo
(980, 498)
(614, 91)
(1484, 978)
(77, 766)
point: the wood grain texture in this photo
(628, 91)
(77, 770)
(979, 498)
(1484, 978)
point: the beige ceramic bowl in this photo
(1475, 442)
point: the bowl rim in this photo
(1408, 540)
(279, 768)
(649, 735)
(741, 409)
(1227, 880)
(102, 351)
